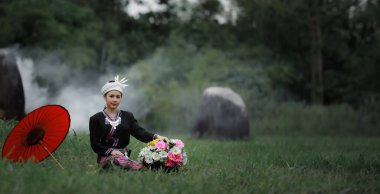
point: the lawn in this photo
(262, 164)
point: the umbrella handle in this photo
(60, 165)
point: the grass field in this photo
(260, 165)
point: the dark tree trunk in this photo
(108, 11)
(316, 57)
(101, 58)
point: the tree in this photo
(317, 41)
(316, 61)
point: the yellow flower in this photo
(152, 143)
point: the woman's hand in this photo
(116, 153)
(163, 138)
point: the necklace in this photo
(114, 124)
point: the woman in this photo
(111, 128)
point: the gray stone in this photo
(222, 114)
(12, 100)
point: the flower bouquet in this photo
(168, 156)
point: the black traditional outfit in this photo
(107, 135)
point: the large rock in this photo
(221, 114)
(12, 101)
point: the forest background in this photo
(302, 67)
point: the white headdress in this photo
(118, 85)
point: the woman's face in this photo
(112, 99)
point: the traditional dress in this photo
(107, 134)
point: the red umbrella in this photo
(37, 135)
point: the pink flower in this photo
(161, 145)
(179, 143)
(176, 158)
(169, 163)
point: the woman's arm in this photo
(95, 138)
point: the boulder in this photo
(12, 100)
(222, 114)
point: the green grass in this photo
(260, 165)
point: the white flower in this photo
(148, 160)
(156, 156)
(163, 154)
(173, 141)
(175, 150)
(149, 155)
(144, 152)
(184, 158)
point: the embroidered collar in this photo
(113, 122)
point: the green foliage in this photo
(94, 34)
(264, 55)
(177, 74)
(300, 119)
(42, 23)
(86, 34)
(349, 38)
(5, 128)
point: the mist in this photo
(79, 92)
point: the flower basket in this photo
(161, 155)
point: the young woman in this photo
(111, 128)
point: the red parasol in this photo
(37, 135)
